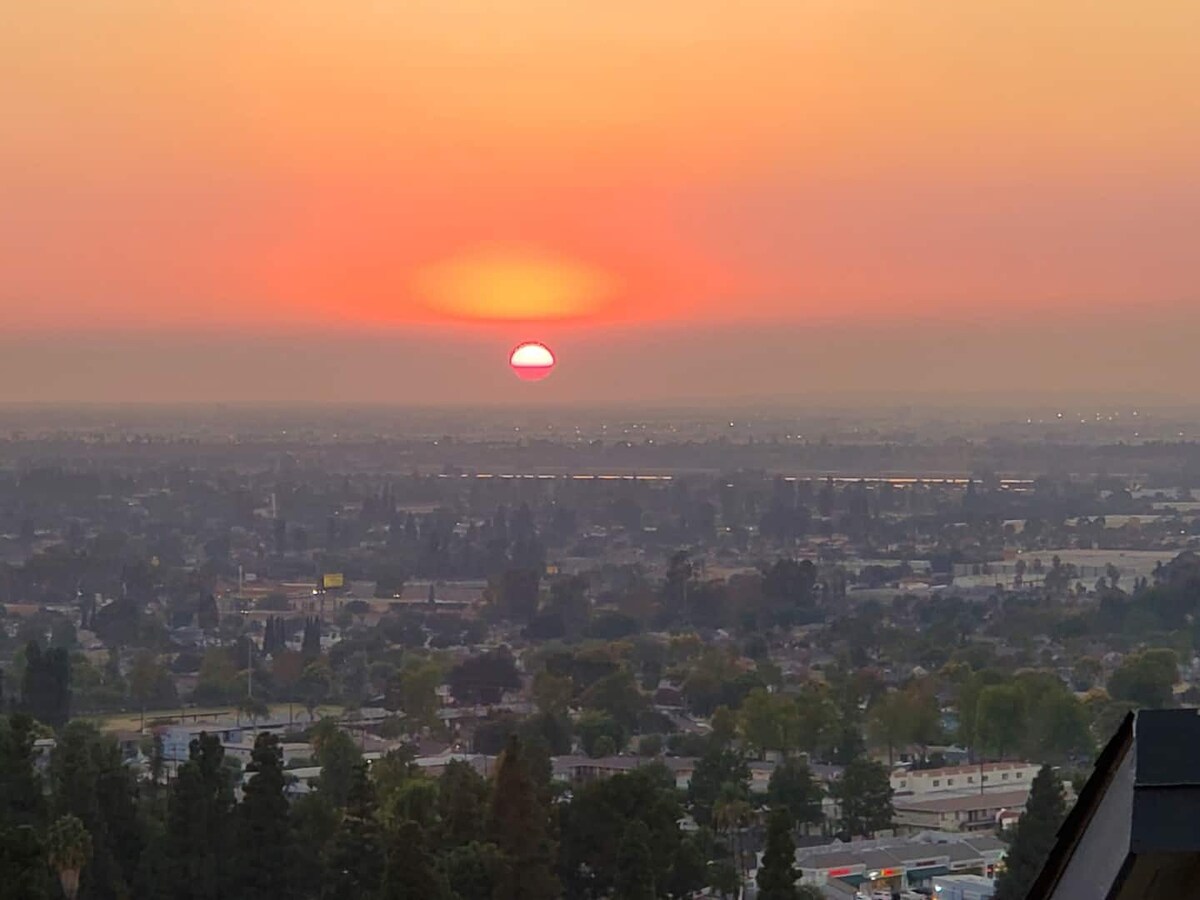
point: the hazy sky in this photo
(689, 198)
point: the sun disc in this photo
(531, 361)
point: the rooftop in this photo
(962, 802)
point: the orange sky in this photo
(290, 165)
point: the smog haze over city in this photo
(519, 450)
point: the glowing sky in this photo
(488, 166)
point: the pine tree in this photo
(197, 840)
(777, 875)
(519, 824)
(90, 781)
(24, 869)
(864, 793)
(792, 785)
(310, 647)
(1035, 834)
(20, 785)
(410, 873)
(635, 868)
(46, 686)
(263, 863)
(354, 860)
(462, 800)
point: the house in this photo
(581, 769)
(243, 749)
(435, 765)
(178, 737)
(668, 696)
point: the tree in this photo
(1000, 719)
(21, 795)
(732, 814)
(417, 691)
(594, 826)
(793, 788)
(338, 756)
(46, 685)
(889, 723)
(1146, 679)
(777, 875)
(149, 682)
(552, 693)
(207, 614)
(518, 823)
(484, 678)
(618, 696)
(724, 878)
(724, 723)
(218, 681)
(69, 849)
(264, 858)
(689, 869)
(1059, 728)
(635, 869)
(599, 734)
(314, 686)
(471, 870)
(819, 720)
(354, 859)
(769, 721)
(89, 780)
(514, 593)
(197, 840)
(1034, 837)
(714, 771)
(23, 869)
(253, 708)
(410, 873)
(461, 803)
(310, 644)
(864, 796)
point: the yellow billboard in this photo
(332, 580)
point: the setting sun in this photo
(531, 361)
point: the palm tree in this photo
(731, 815)
(69, 847)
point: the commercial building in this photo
(964, 887)
(961, 812)
(901, 863)
(996, 776)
